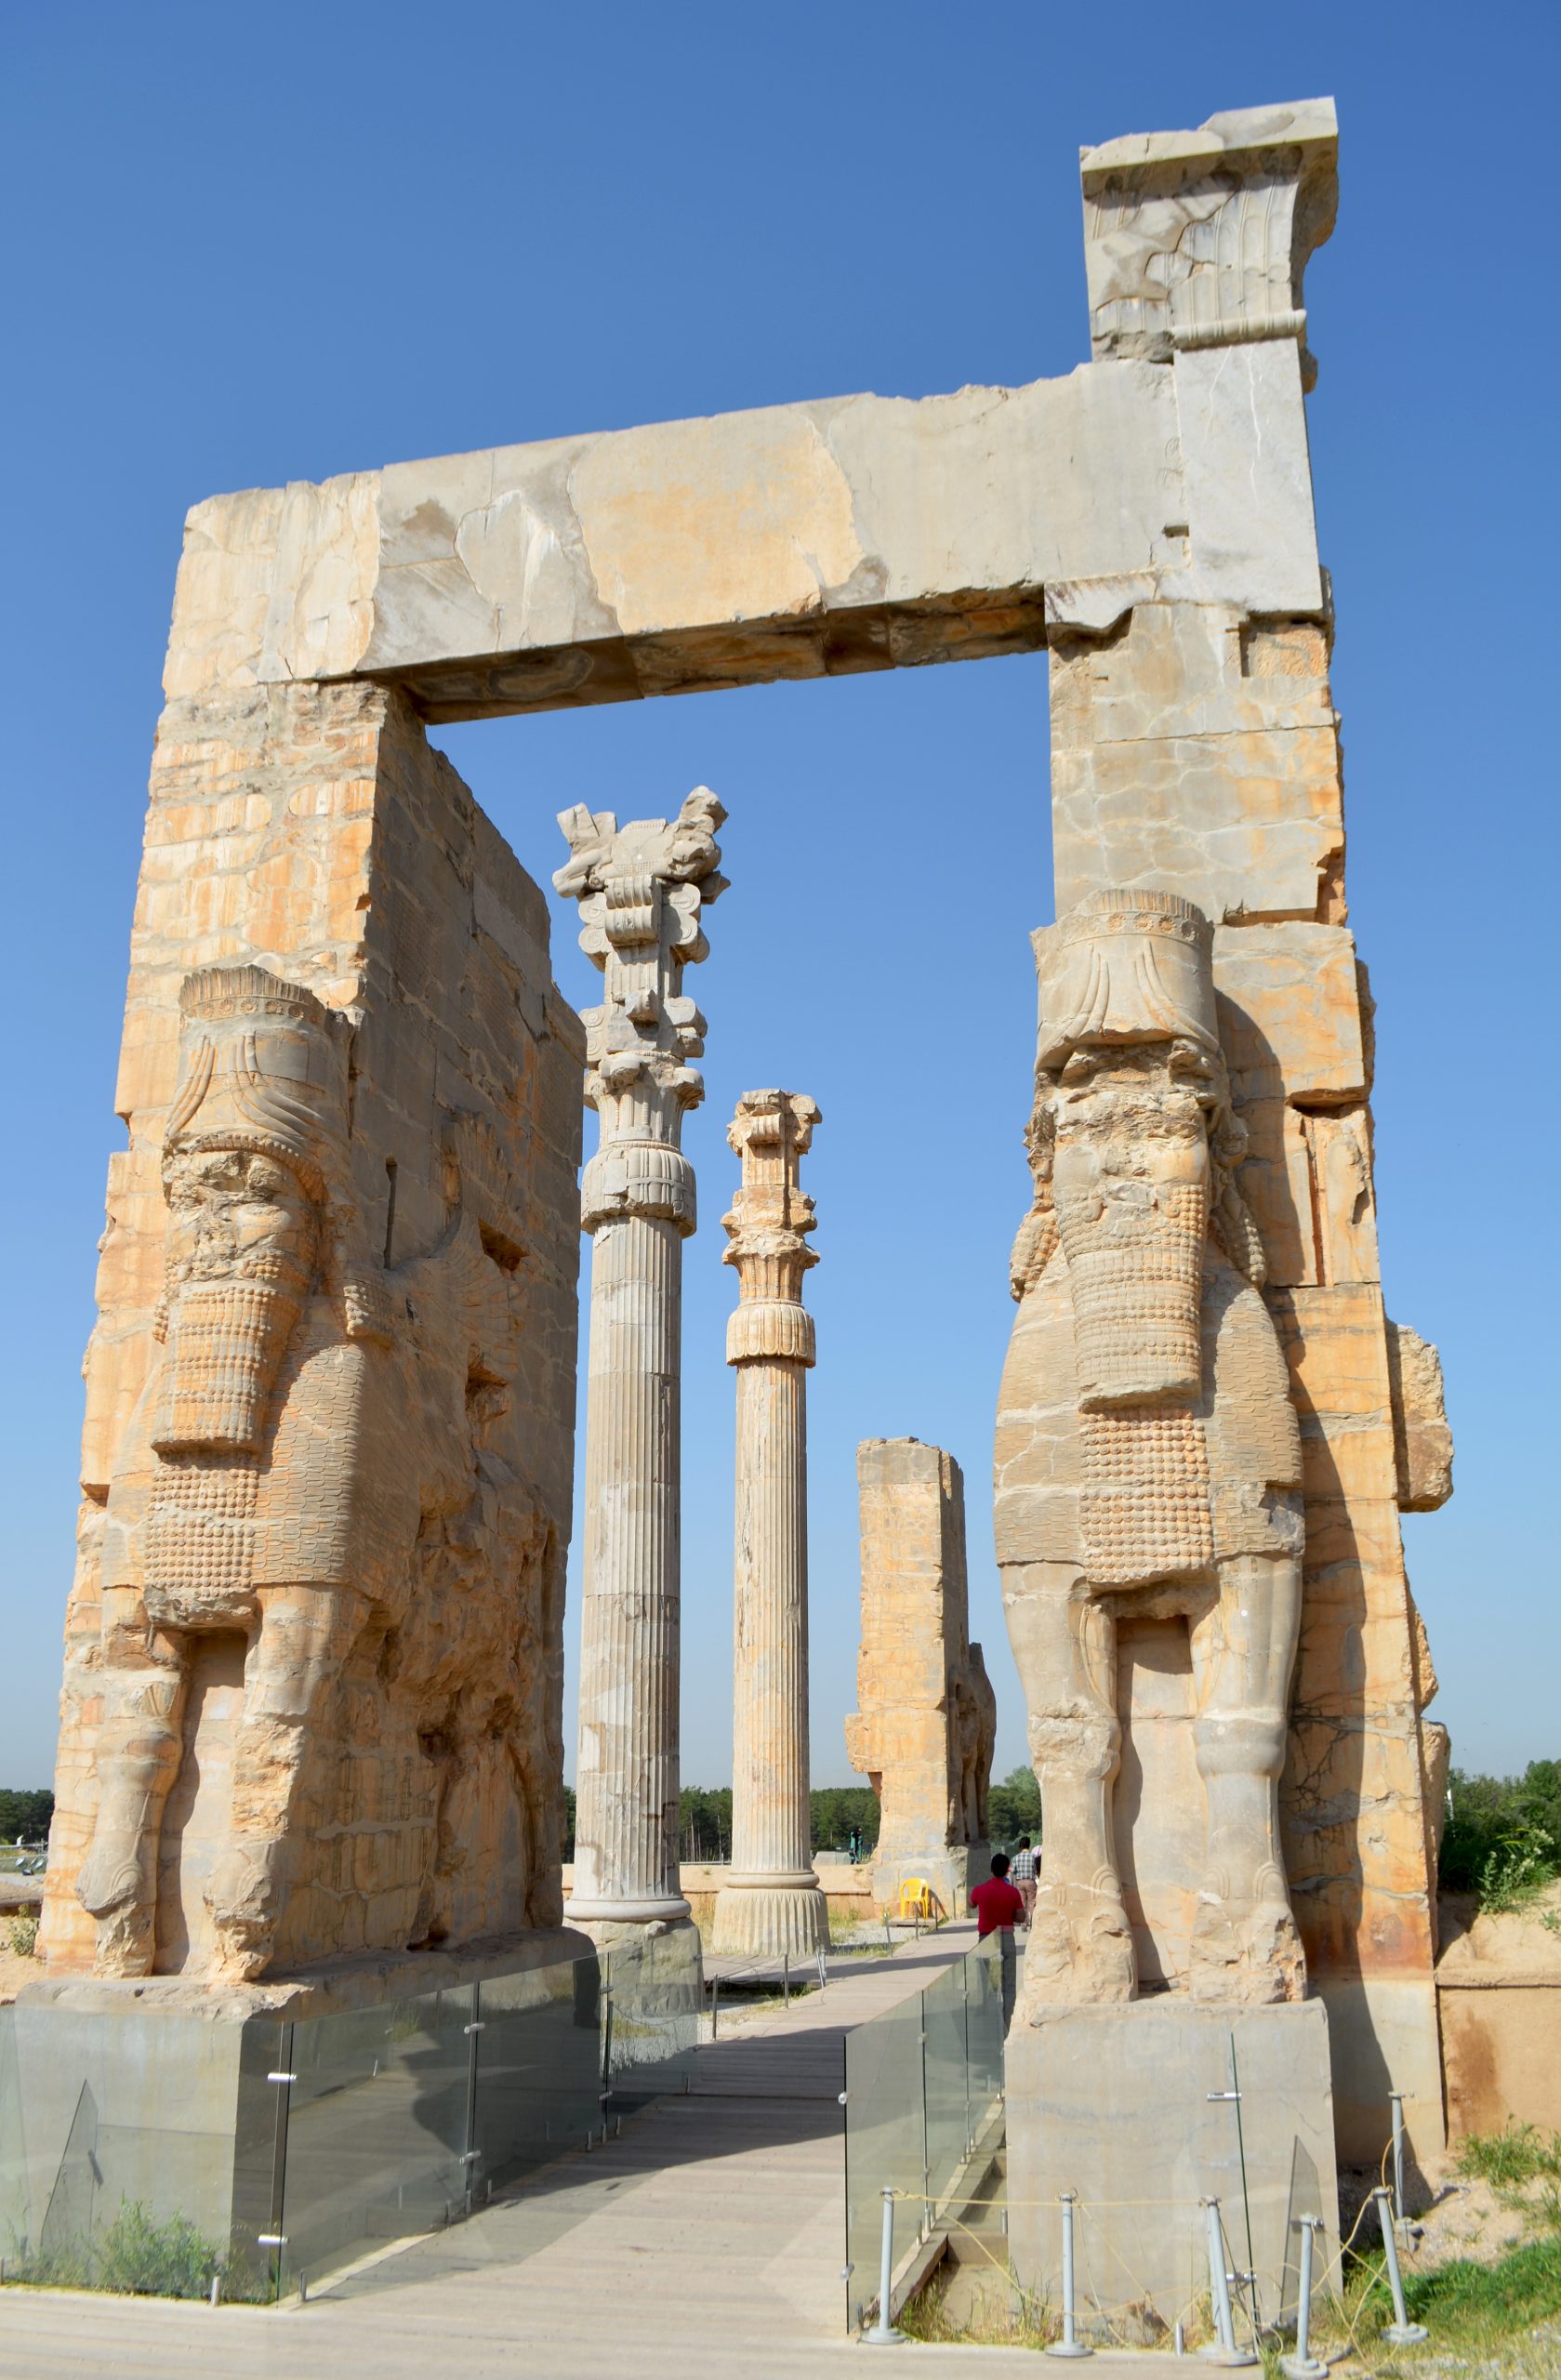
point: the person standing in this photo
(1022, 1874)
(997, 1904)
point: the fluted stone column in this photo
(771, 1902)
(640, 889)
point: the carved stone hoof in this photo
(242, 1896)
(1079, 1948)
(110, 1881)
(1248, 1956)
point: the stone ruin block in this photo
(925, 1726)
(314, 1673)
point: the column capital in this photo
(1200, 239)
(642, 889)
(767, 1227)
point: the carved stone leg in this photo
(1080, 1946)
(1245, 1944)
(138, 1753)
(304, 1636)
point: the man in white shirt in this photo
(1022, 1872)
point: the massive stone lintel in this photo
(853, 533)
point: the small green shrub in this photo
(1502, 1837)
(138, 2257)
(1518, 1870)
(23, 1932)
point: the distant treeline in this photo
(26, 1815)
(705, 1817)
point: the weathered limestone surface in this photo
(640, 889)
(1498, 1995)
(1195, 752)
(1129, 2108)
(794, 541)
(926, 1723)
(1199, 239)
(1422, 1440)
(855, 533)
(1150, 1524)
(770, 1902)
(313, 1653)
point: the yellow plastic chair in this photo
(918, 1899)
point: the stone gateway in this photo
(312, 1704)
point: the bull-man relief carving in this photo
(1148, 1471)
(323, 1473)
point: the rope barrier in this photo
(1332, 2271)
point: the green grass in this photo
(1005, 2316)
(1497, 2321)
(1473, 2313)
(1510, 2161)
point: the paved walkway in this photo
(705, 2243)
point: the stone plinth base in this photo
(1125, 2105)
(163, 2091)
(771, 1918)
(330, 1989)
(950, 1873)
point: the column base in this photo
(592, 1914)
(770, 1917)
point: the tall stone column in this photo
(772, 1902)
(640, 890)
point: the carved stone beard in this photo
(228, 1339)
(1134, 1251)
(242, 1239)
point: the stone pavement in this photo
(707, 2240)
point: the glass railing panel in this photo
(16, 2205)
(984, 2027)
(652, 1997)
(538, 2071)
(116, 2151)
(378, 2124)
(884, 2143)
(945, 2064)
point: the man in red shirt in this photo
(998, 1907)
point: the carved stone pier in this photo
(771, 1903)
(640, 889)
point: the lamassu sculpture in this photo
(1148, 1469)
(314, 1525)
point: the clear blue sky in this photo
(249, 246)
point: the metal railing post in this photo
(1070, 2344)
(1303, 2364)
(469, 2156)
(883, 2333)
(1396, 2099)
(1400, 2331)
(1222, 2349)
